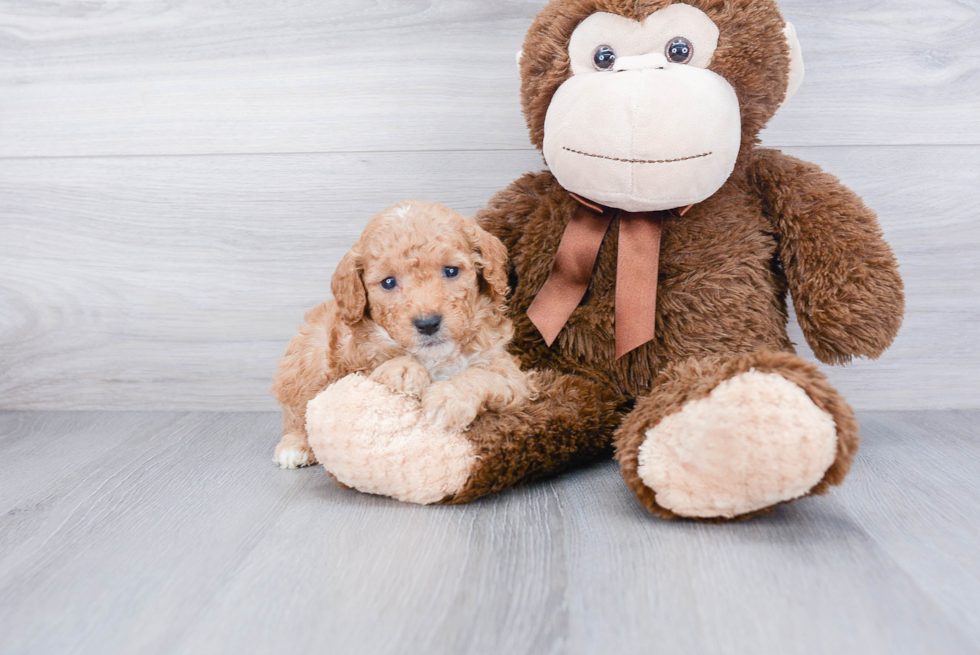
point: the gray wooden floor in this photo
(174, 533)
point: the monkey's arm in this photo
(842, 274)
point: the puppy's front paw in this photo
(449, 407)
(402, 375)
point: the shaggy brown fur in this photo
(777, 225)
(570, 420)
(458, 371)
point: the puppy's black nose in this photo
(428, 325)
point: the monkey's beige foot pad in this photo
(379, 442)
(756, 440)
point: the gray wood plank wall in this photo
(178, 179)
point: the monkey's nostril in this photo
(428, 325)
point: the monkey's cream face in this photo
(641, 124)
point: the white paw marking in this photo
(292, 457)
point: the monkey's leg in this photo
(378, 441)
(571, 421)
(722, 438)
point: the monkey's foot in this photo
(379, 442)
(732, 446)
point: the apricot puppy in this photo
(418, 306)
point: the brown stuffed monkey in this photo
(650, 265)
(648, 112)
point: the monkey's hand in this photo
(842, 274)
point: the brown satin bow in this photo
(636, 273)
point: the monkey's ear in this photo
(348, 288)
(491, 259)
(796, 68)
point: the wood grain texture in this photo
(204, 77)
(174, 533)
(175, 282)
(916, 494)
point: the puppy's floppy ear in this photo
(491, 259)
(348, 288)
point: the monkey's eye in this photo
(603, 58)
(679, 50)
(389, 283)
(451, 271)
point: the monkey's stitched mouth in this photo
(639, 161)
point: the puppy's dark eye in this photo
(451, 271)
(603, 58)
(389, 283)
(679, 50)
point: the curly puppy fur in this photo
(372, 330)
(779, 225)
